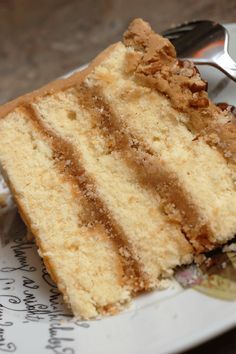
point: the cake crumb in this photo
(199, 259)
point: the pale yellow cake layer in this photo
(81, 258)
(202, 171)
(157, 245)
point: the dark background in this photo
(41, 40)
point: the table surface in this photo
(41, 40)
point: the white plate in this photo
(33, 319)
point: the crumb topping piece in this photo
(152, 60)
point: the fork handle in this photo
(225, 63)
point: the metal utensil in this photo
(203, 42)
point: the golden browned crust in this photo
(153, 62)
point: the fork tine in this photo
(183, 27)
(182, 35)
(180, 29)
(172, 36)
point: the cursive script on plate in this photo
(5, 346)
(27, 289)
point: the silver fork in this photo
(203, 42)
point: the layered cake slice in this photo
(122, 172)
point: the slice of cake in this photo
(122, 172)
